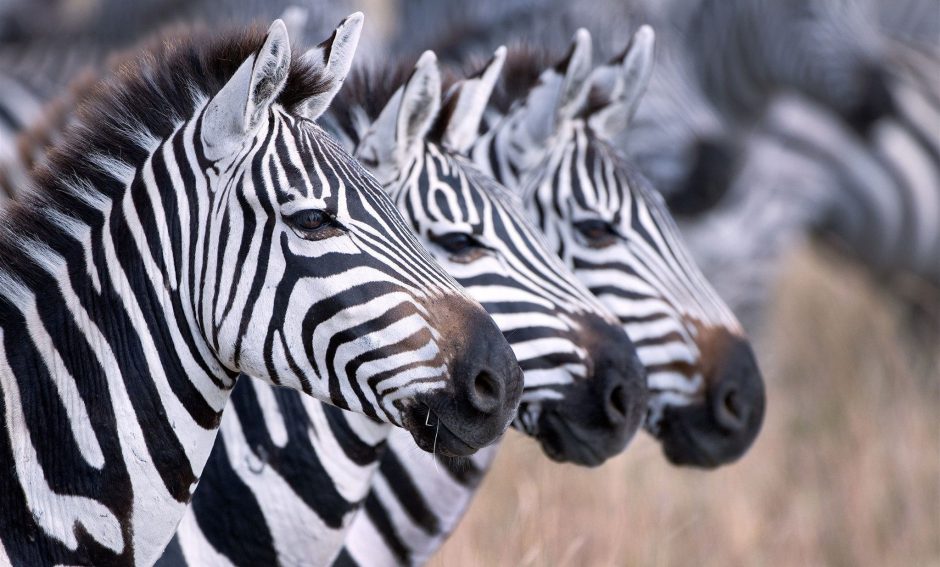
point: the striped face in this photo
(605, 222)
(308, 277)
(583, 396)
(310, 253)
(615, 232)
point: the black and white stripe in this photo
(163, 253)
(604, 221)
(840, 141)
(275, 470)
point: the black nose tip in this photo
(730, 407)
(721, 428)
(486, 393)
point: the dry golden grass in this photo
(846, 471)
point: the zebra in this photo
(678, 138)
(582, 376)
(550, 141)
(809, 174)
(840, 144)
(160, 254)
(605, 221)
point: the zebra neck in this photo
(110, 400)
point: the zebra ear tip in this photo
(644, 38)
(352, 23)
(427, 58)
(581, 36)
(277, 31)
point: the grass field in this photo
(845, 472)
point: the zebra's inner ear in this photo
(466, 102)
(237, 110)
(577, 72)
(559, 91)
(617, 87)
(333, 58)
(419, 105)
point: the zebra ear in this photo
(466, 102)
(419, 105)
(577, 74)
(560, 89)
(393, 137)
(333, 58)
(237, 110)
(617, 87)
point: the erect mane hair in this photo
(369, 87)
(143, 97)
(521, 70)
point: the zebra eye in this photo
(313, 224)
(597, 233)
(461, 246)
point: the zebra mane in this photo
(142, 98)
(524, 64)
(369, 87)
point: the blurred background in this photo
(797, 142)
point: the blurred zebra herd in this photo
(562, 217)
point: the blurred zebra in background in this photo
(839, 109)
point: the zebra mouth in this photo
(562, 443)
(682, 447)
(435, 437)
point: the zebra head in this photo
(678, 138)
(584, 394)
(310, 277)
(552, 144)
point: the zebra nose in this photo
(736, 400)
(722, 428)
(486, 383)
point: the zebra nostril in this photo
(485, 393)
(729, 408)
(617, 404)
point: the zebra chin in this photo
(720, 429)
